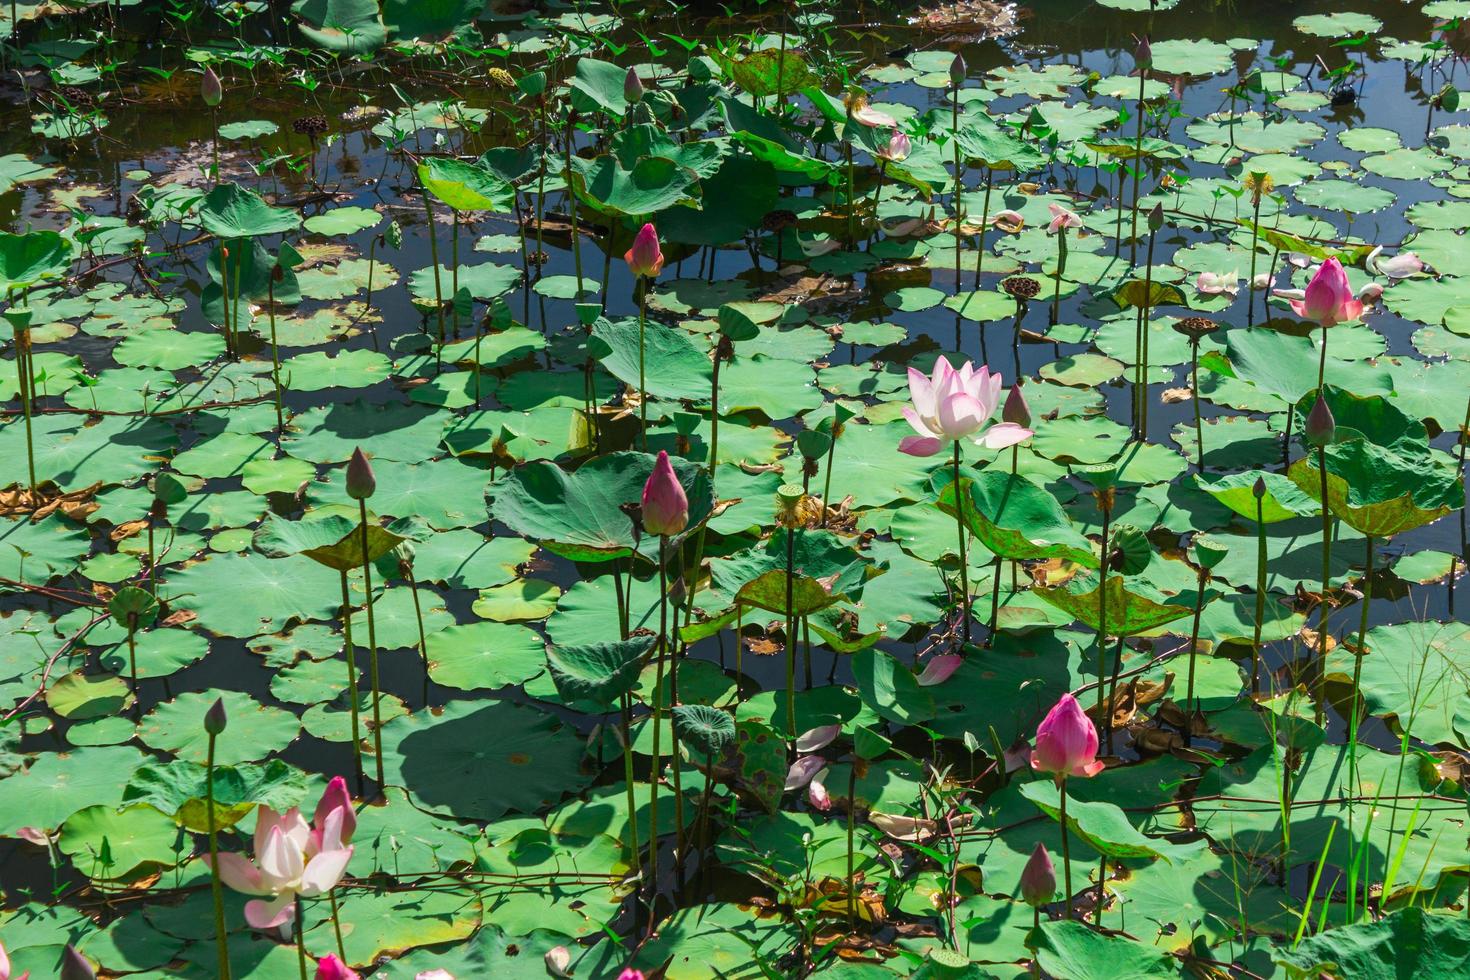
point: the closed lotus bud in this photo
(1321, 426)
(1259, 487)
(1066, 742)
(1016, 411)
(817, 796)
(361, 483)
(631, 974)
(210, 89)
(1143, 54)
(74, 966)
(632, 87)
(1038, 878)
(645, 258)
(957, 70)
(1156, 218)
(558, 958)
(215, 719)
(665, 505)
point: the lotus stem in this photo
(1056, 296)
(337, 925)
(350, 654)
(1326, 584)
(222, 943)
(1190, 708)
(1137, 170)
(627, 715)
(23, 380)
(1260, 594)
(367, 578)
(790, 633)
(438, 282)
(572, 205)
(1358, 655)
(642, 385)
(1066, 846)
(984, 225)
(959, 523)
(301, 936)
(658, 701)
(673, 650)
(1250, 307)
(1199, 429)
(851, 833)
(1104, 501)
(418, 615)
(270, 292)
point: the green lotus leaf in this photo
(232, 211)
(1016, 519)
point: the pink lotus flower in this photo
(210, 89)
(1038, 878)
(336, 797)
(291, 858)
(1066, 741)
(816, 795)
(665, 505)
(645, 258)
(5, 966)
(817, 738)
(1218, 283)
(1016, 409)
(631, 974)
(1008, 220)
(898, 148)
(632, 87)
(1329, 298)
(939, 669)
(875, 118)
(331, 968)
(1400, 266)
(803, 771)
(952, 405)
(434, 975)
(1061, 218)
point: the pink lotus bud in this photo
(331, 968)
(215, 719)
(1016, 410)
(633, 87)
(5, 966)
(898, 148)
(816, 795)
(361, 484)
(631, 974)
(645, 258)
(817, 738)
(1066, 741)
(665, 505)
(957, 70)
(939, 669)
(1329, 298)
(803, 770)
(210, 89)
(334, 798)
(1038, 878)
(1143, 54)
(1321, 426)
(74, 965)
(33, 835)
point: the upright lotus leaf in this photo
(599, 673)
(179, 788)
(1017, 519)
(647, 140)
(1410, 942)
(250, 269)
(428, 19)
(579, 515)
(770, 71)
(704, 730)
(1283, 499)
(985, 143)
(346, 26)
(1276, 363)
(597, 86)
(334, 541)
(466, 186)
(746, 190)
(232, 211)
(673, 365)
(763, 136)
(133, 608)
(1133, 605)
(1104, 826)
(30, 258)
(1147, 148)
(827, 571)
(1145, 294)
(1382, 477)
(643, 190)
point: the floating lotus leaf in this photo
(1017, 519)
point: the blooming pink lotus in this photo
(631, 974)
(939, 669)
(665, 505)
(331, 968)
(1218, 283)
(898, 149)
(952, 405)
(1061, 218)
(1329, 298)
(292, 858)
(803, 771)
(645, 258)
(1066, 741)
(1008, 220)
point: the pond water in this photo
(826, 256)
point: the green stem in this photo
(790, 634)
(642, 386)
(222, 943)
(351, 657)
(1260, 594)
(367, 578)
(301, 936)
(1326, 584)
(627, 714)
(959, 523)
(1066, 848)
